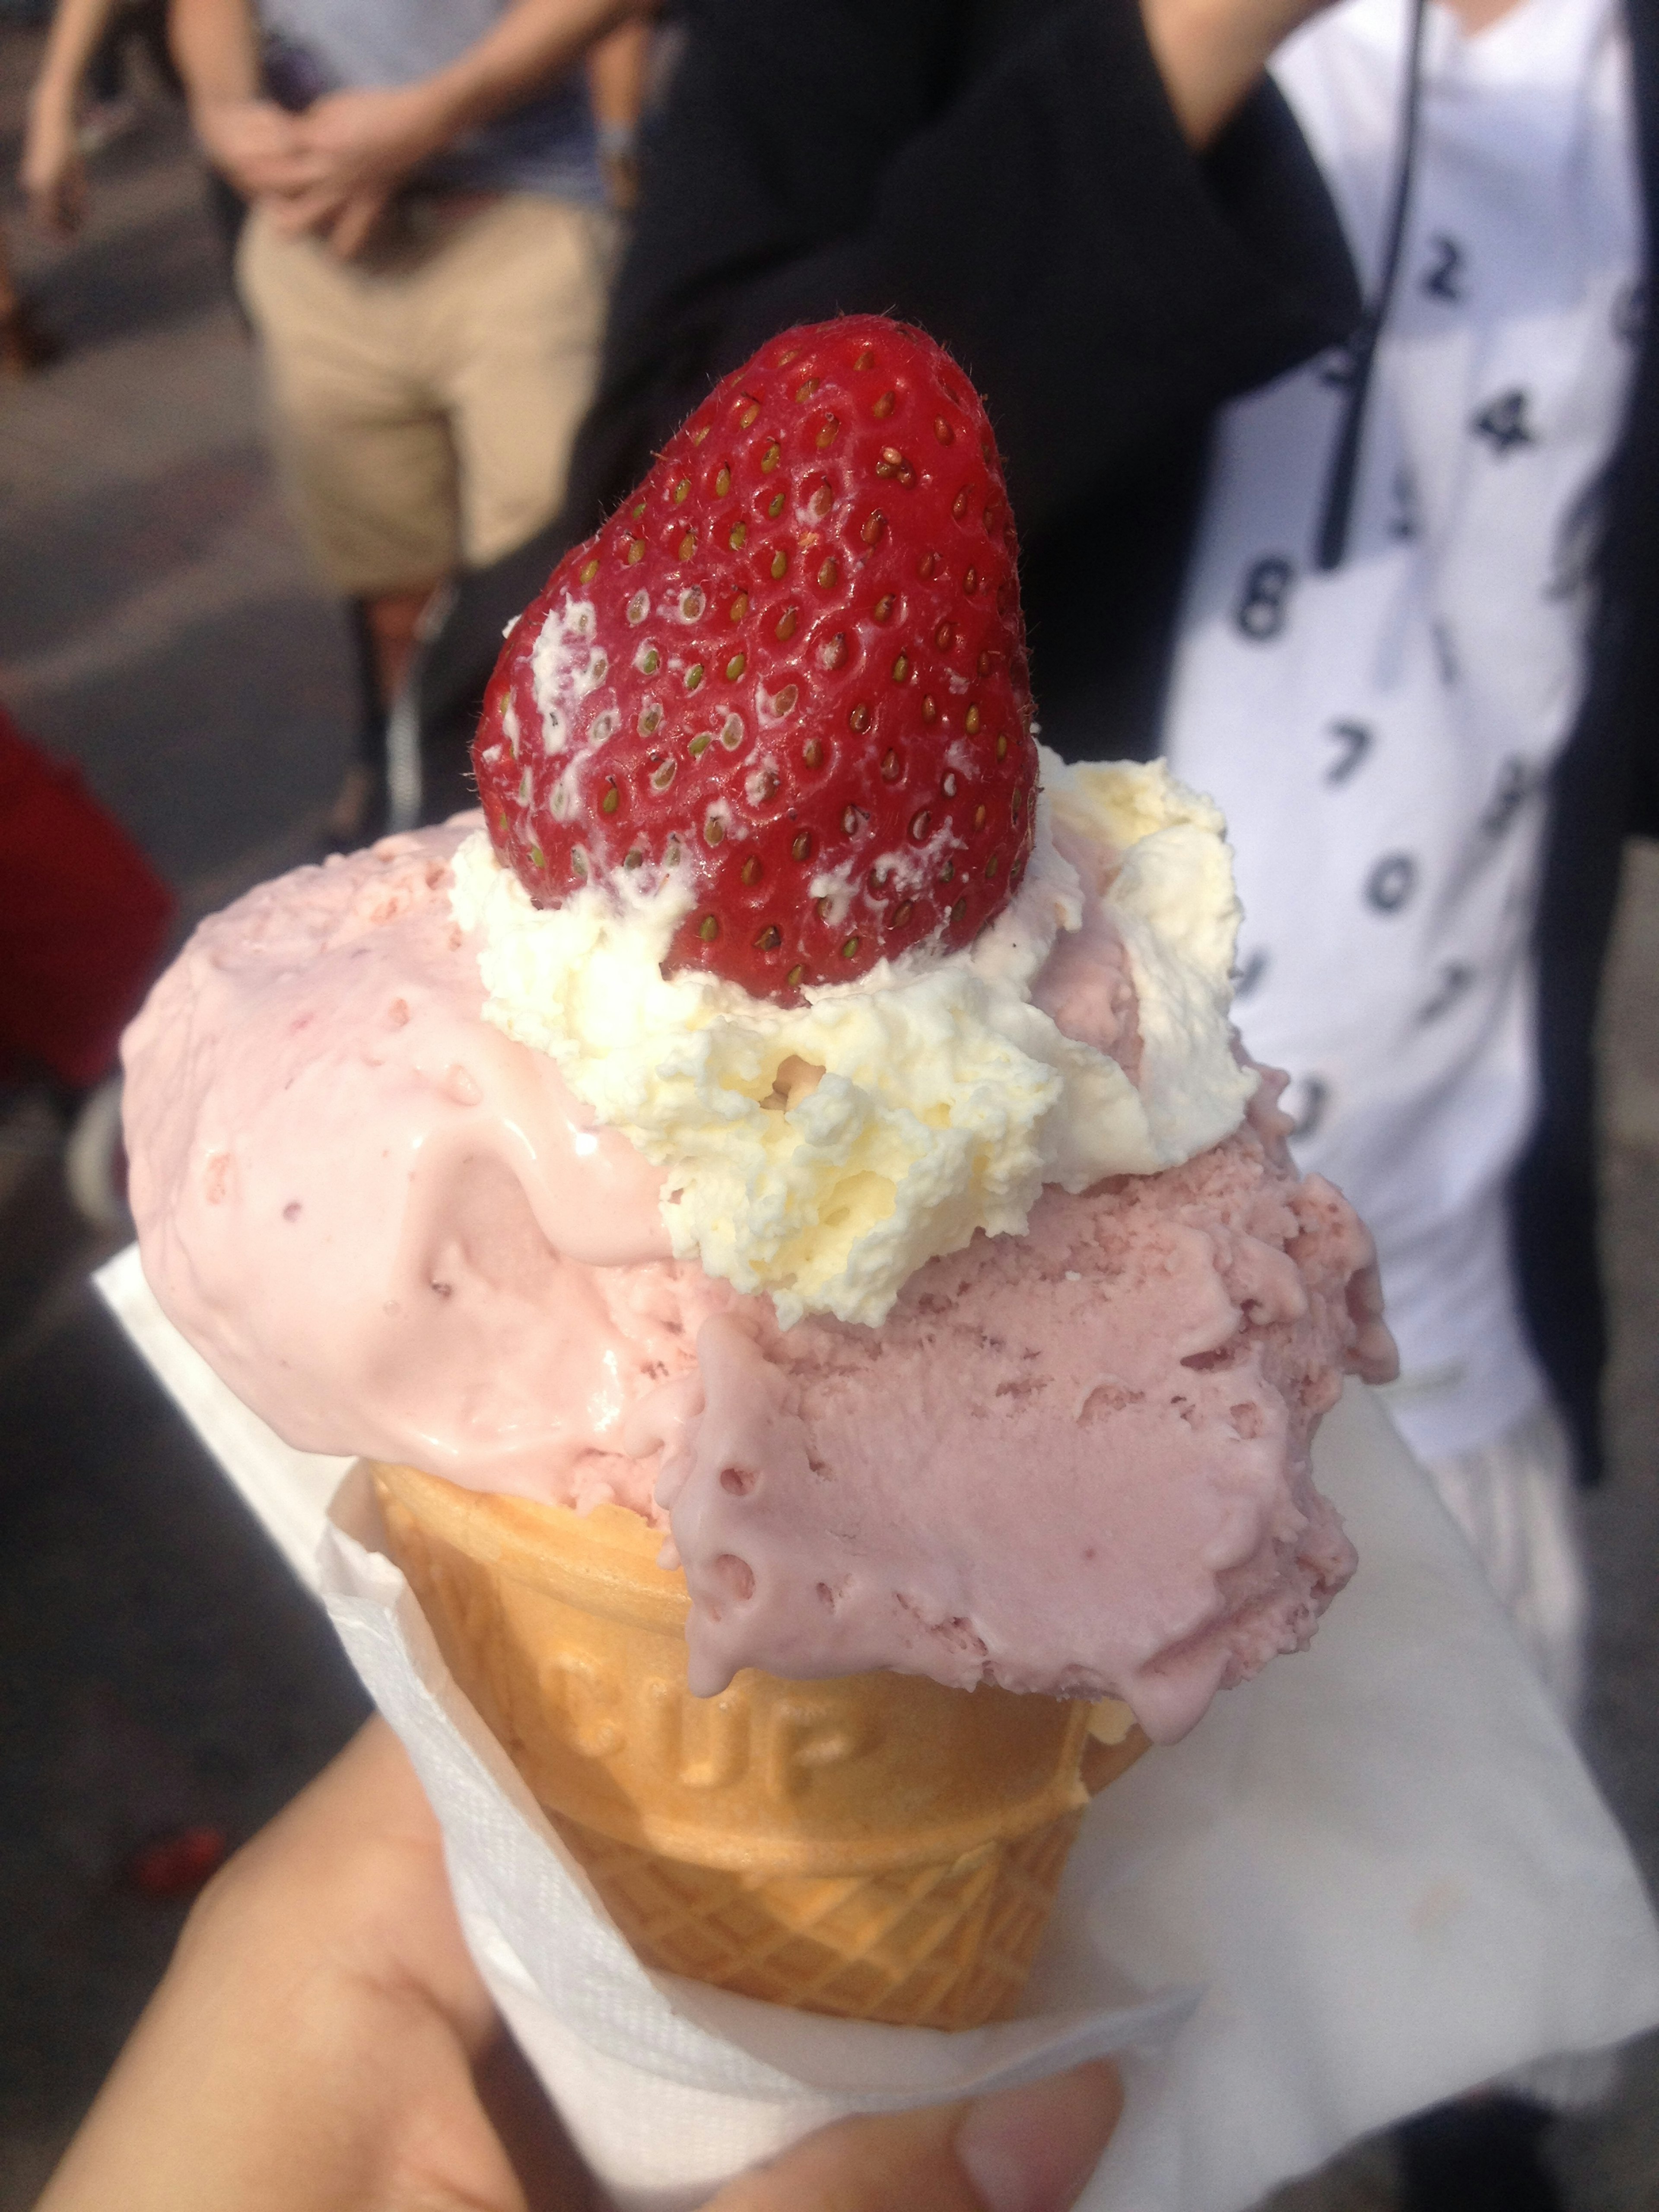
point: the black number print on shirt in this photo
(1509, 794)
(1307, 1102)
(1356, 740)
(1504, 421)
(1246, 978)
(1455, 977)
(1443, 277)
(1405, 522)
(1391, 883)
(1264, 597)
(1630, 313)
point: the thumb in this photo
(1019, 2150)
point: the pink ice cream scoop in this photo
(1073, 1461)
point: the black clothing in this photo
(1008, 173)
(1605, 787)
(1486, 2156)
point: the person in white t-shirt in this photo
(1381, 653)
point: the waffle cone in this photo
(875, 1846)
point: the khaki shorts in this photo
(424, 403)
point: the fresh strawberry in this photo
(792, 669)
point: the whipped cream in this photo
(952, 1089)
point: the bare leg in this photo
(393, 621)
(386, 628)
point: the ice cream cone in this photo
(876, 1846)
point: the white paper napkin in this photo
(1376, 1876)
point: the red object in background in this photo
(83, 920)
(178, 1865)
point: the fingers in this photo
(1029, 2150)
(256, 145)
(295, 213)
(58, 206)
(355, 224)
(52, 173)
(344, 219)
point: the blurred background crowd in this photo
(302, 316)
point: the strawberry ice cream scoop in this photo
(1072, 1461)
(1075, 1460)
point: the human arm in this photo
(617, 69)
(251, 141)
(1211, 54)
(323, 2038)
(52, 172)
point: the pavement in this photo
(158, 625)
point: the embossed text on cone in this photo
(875, 1846)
